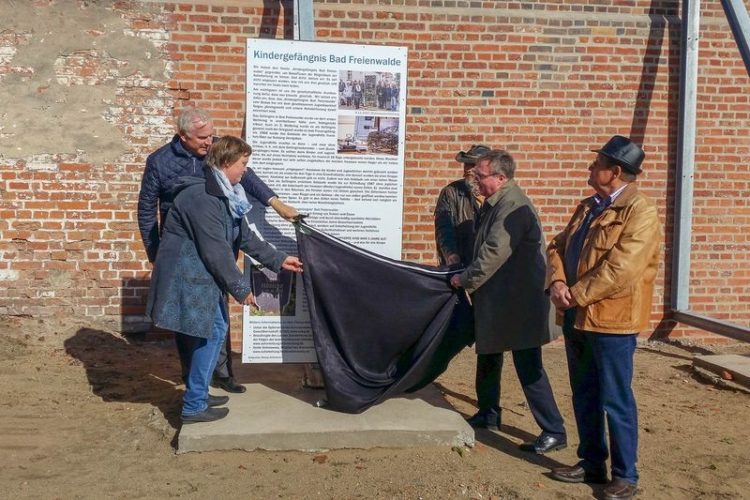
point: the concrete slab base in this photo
(735, 366)
(278, 413)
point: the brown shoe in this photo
(577, 474)
(619, 489)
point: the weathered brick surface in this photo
(547, 80)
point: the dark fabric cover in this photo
(378, 324)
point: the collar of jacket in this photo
(212, 185)
(463, 188)
(492, 200)
(179, 150)
(622, 200)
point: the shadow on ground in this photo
(129, 370)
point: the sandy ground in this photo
(85, 413)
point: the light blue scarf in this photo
(238, 203)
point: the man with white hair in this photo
(185, 156)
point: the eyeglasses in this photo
(481, 177)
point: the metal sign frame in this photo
(680, 301)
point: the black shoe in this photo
(544, 444)
(228, 384)
(619, 489)
(207, 415)
(577, 474)
(217, 400)
(485, 420)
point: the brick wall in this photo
(85, 99)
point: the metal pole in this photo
(304, 29)
(714, 325)
(304, 20)
(295, 19)
(685, 156)
(740, 24)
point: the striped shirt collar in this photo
(610, 199)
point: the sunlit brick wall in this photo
(546, 80)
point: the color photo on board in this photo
(368, 90)
(367, 135)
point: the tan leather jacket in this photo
(617, 267)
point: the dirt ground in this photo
(86, 413)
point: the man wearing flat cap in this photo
(600, 277)
(456, 210)
(456, 213)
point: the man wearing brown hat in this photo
(600, 277)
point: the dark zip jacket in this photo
(163, 167)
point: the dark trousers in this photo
(185, 348)
(224, 363)
(535, 384)
(601, 372)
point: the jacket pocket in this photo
(605, 234)
(615, 311)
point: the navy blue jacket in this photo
(163, 167)
(197, 264)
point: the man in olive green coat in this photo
(511, 311)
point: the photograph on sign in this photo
(367, 135)
(369, 91)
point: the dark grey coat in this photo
(506, 277)
(196, 265)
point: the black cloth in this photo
(378, 324)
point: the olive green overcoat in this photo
(506, 276)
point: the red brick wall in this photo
(720, 274)
(545, 80)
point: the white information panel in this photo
(326, 123)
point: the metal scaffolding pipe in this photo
(740, 24)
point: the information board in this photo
(326, 124)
